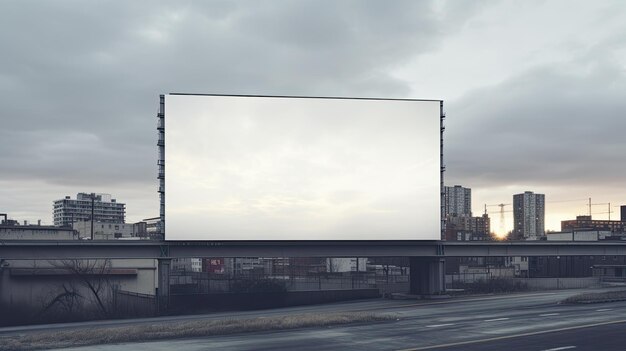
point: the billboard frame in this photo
(161, 165)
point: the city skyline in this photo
(528, 107)
(555, 212)
(560, 210)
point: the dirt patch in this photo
(609, 296)
(185, 329)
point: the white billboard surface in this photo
(284, 168)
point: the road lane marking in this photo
(496, 319)
(439, 325)
(548, 314)
(561, 348)
(604, 309)
(469, 342)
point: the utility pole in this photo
(93, 196)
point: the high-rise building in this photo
(457, 201)
(460, 225)
(104, 208)
(529, 212)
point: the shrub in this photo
(259, 286)
(495, 285)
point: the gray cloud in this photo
(549, 126)
(79, 81)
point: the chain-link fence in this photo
(186, 282)
(131, 304)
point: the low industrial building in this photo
(105, 230)
(579, 235)
(610, 272)
(186, 264)
(587, 223)
(151, 228)
(346, 264)
(468, 228)
(14, 231)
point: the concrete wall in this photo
(34, 284)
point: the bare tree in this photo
(90, 275)
(69, 299)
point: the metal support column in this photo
(163, 293)
(427, 276)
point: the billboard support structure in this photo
(161, 163)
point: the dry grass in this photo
(185, 329)
(608, 296)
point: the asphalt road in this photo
(602, 336)
(531, 321)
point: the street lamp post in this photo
(93, 195)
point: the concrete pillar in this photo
(427, 276)
(163, 293)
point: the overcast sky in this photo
(534, 91)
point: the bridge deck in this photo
(31, 249)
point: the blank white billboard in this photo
(293, 168)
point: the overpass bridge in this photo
(66, 249)
(426, 257)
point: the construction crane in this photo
(502, 211)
